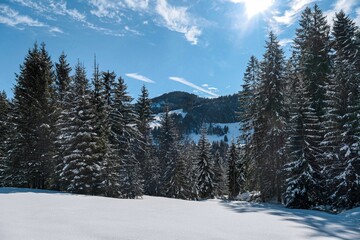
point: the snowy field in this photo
(28, 214)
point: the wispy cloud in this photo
(13, 18)
(285, 41)
(345, 5)
(179, 20)
(139, 77)
(190, 84)
(107, 9)
(55, 30)
(289, 16)
(357, 19)
(52, 7)
(137, 4)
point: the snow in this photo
(233, 133)
(157, 117)
(36, 214)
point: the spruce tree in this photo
(33, 118)
(144, 153)
(269, 131)
(220, 176)
(247, 117)
(125, 134)
(233, 171)
(63, 78)
(312, 47)
(343, 162)
(62, 87)
(80, 169)
(205, 167)
(172, 165)
(303, 185)
(4, 137)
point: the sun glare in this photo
(254, 7)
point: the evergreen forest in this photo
(299, 141)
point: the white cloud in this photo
(106, 9)
(205, 85)
(13, 18)
(137, 4)
(52, 7)
(285, 41)
(289, 16)
(56, 30)
(345, 5)
(179, 20)
(190, 84)
(212, 88)
(139, 77)
(357, 19)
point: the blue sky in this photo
(198, 46)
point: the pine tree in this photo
(303, 186)
(33, 118)
(233, 171)
(125, 133)
(172, 165)
(80, 169)
(269, 131)
(4, 137)
(247, 117)
(205, 168)
(341, 141)
(62, 87)
(63, 78)
(220, 177)
(144, 153)
(312, 46)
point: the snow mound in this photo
(29, 214)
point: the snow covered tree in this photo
(4, 136)
(312, 47)
(205, 168)
(270, 122)
(172, 165)
(233, 171)
(63, 78)
(220, 177)
(125, 133)
(80, 169)
(33, 118)
(247, 116)
(342, 168)
(62, 88)
(144, 153)
(303, 183)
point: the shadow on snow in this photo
(9, 190)
(324, 224)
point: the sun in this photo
(254, 7)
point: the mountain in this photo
(210, 110)
(190, 112)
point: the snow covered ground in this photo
(29, 214)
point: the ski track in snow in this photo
(31, 214)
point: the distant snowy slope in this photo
(233, 132)
(28, 214)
